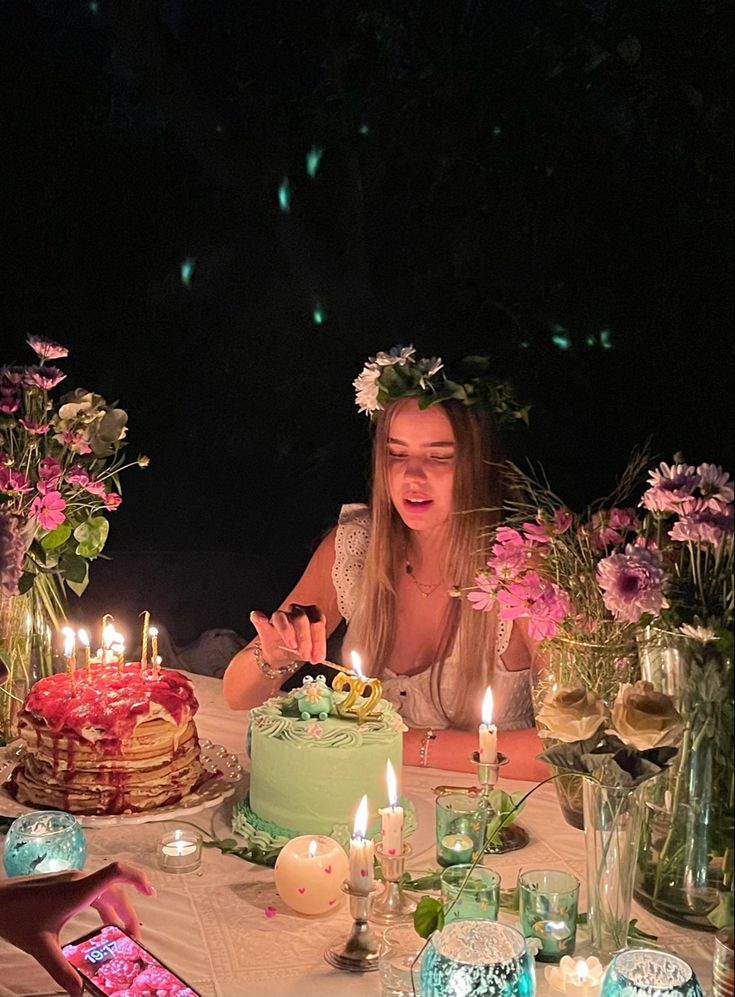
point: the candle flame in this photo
(487, 707)
(69, 644)
(108, 634)
(357, 664)
(582, 970)
(83, 637)
(153, 631)
(457, 846)
(390, 778)
(312, 848)
(177, 833)
(67, 631)
(361, 818)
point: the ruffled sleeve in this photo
(350, 548)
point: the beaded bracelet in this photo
(273, 673)
(428, 737)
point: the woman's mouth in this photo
(416, 503)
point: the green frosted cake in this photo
(307, 775)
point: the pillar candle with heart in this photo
(391, 828)
(361, 852)
(309, 874)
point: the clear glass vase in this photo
(612, 826)
(685, 861)
(25, 644)
(599, 664)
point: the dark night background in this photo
(546, 182)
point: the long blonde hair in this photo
(477, 499)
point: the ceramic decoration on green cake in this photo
(305, 775)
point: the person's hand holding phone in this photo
(34, 910)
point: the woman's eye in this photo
(444, 458)
(396, 456)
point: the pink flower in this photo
(12, 376)
(562, 521)
(47, 349)
(112, 500)
(632, 583)
(609, 528)
(44, 377)
(95, 487)
(9, 402)
(48, 509)
(715, 488)
(705, 526)
(13, 481)
(35, 427)
(270, 911)
(482, 598)
(535, 533)
(670, 486)
(75, 440)
(49, 470)
(77, 475)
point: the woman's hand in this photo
(296, 632)
(34, 909)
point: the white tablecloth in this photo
(210, 926)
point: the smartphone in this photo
(112, 964)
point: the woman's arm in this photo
(451, 749)
(245, 683)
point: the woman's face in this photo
(420, 460)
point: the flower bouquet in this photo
(639, 584)
(616, 751)
(59, 478)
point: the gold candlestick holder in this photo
(358, 953)
(393, 903)
(512, 836)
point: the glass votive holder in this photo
(723, 982)
(399, 960)
(470, 893)
(180, 850)
(649, 973)
(44, 841)
(478, 958)
(547, 905)
(460, 828)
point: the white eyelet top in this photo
(412, 694)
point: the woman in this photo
(391, 572)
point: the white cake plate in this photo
(223, 774)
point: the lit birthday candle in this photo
(488, 731)
(144, 640)
(118, 647)
(391, 828)
(83, 638)
(108, 635)
(361, 852)
(155, 660)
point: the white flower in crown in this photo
(366, 389)
(428, 367)
(398, 355)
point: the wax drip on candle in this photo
(83, 638)
(144, 640)
(70, 656)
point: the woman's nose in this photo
(415, 469)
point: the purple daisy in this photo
(632, 583)
(47, 349)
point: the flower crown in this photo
(399, 374)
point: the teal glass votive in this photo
(648, 973)
(460, 828)
(470, 893)
(478, 958)
(44, 841)
(548, 901)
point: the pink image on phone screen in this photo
(117, 966)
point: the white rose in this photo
(643, 718)
(571, 714)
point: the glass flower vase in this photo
(599, 664)
(612, 826)
(685, 861)
(25, 644)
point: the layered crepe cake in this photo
(116, 739)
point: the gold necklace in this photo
(424, 589)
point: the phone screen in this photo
(115, 965)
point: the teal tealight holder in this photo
(44, 841)
(460, 828)
(649, 973)
(481, 958)
(469, 893)
(548, 900)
